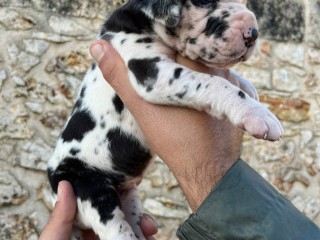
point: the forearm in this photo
(198, 162)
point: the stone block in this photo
(12, 20)
(78, 8)
(66, 26)
(291, 53)
(314, 55)
(74, 62)
(27, 61)
(17, 227)
(313, 23)
(3, 76)
(280, 19)
(35, 47)
(291, 110)
(51, 37)
(34, 155)
(285, 80)
(259, 78)
(11, 192)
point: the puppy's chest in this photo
(107, 136)
(104, 105)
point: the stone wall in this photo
(44, 54)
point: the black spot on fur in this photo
(123, 41)
(79, 124)
(149, 89)
(145, 40)
(177, 73)
(89, 184)
(74, 151)
(108, 37)
(190, 27)
(128, 19)
(145, 70)
(183, 93)
(225, 14)
(216, 26)
(171, 32)
(241, 94)
(127, 153)
(94, 65)
(213, 4)
(83, 92)
(192, 40)
(118, 104)
(212, 56)
(199, 86)
(203, 51)
(77, 105)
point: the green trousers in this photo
(245, 206)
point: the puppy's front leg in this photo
(162, 81)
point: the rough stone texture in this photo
(43, 61)
(11, 192)
(313, 23)
(280, 19)
(17, 227)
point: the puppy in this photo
(101, 150)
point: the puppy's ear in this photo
(166, 12)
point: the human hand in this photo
(197, 148)
(60, 225)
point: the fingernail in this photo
(97, 52)
(59, 191)
(148, 217)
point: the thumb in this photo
(113, 69)
(60, 224)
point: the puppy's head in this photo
(217, 33)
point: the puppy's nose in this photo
(250, 36)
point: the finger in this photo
(148, 225)
(114, 70)
(60, 224)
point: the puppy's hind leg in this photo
(98, 201)
(102, 213)
(132, 208)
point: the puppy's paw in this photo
(259, 122)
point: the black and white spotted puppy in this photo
(101, 150)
